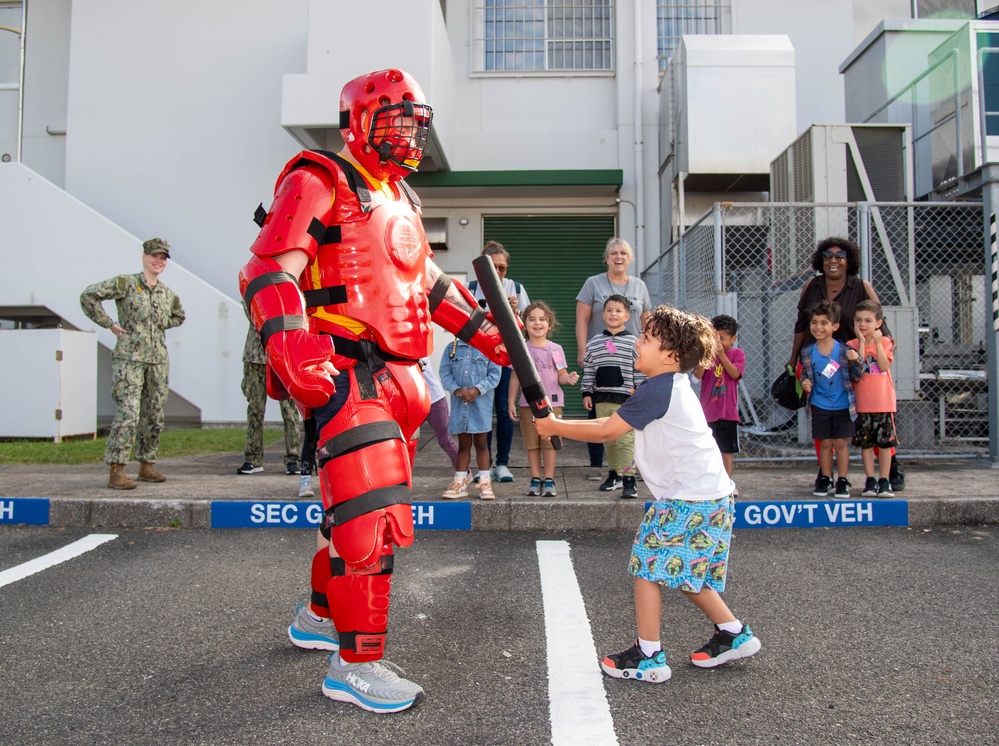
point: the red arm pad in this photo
(277, 310)
(453, 307)
(303, 195)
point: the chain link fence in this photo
(926, 263)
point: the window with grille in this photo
(674, 18)
(544, 35)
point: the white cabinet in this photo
(48, 383)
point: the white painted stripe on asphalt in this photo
(46, 561)
(580, 714)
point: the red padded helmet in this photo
(385, 122)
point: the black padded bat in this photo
(516, 347)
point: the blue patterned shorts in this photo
(684, 545)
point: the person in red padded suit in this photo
(343, 288)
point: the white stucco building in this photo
(132, 119)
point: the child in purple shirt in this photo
(549, 359)
(720, 390)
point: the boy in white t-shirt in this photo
(683, 541)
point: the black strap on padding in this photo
(260, 282)
(322, 234)
(319, 599)
(325, 296)
(352, 348)
(439, 291)
(259, 215)
(383, 497)
(475, 320)
(410, 194)
(280, 324)
(357, 438)
(355, 181)
(386, 565)
(348, 641)
(364, 377)
(345, 120)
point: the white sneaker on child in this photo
(458, 488)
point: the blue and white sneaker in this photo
(725, 646)
(633, 664)
(372, 686)
(305, 632)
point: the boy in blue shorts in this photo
(683, 541)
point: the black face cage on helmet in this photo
(397, 143)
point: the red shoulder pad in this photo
(303, 195)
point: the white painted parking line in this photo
(46, 561)
(580, 714)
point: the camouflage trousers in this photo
(255, 390)
(140, 390)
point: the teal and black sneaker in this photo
(633, 664)
(725, 646)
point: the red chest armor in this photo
(379, 263)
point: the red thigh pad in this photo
(360, 540)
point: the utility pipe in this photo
(639, 146)
(20, 80)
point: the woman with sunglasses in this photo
(837, 260)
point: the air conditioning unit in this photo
(828, 166)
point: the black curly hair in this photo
(851, 249)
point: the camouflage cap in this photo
(156, 246)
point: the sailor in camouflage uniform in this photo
(255, 390)
(139, 364)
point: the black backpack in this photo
(786, 390)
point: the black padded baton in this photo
(516, 347)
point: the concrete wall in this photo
(822, 34)
(46, 88)
(176, 131)
(50, 271)
(496, 121)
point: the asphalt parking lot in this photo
(869, 635)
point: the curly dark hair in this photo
(540, 305)
(851, 249)
(723, 323)
(689, 336)
(828, 308)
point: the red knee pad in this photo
(321, 574)
(359, 601)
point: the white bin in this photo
(48, 383)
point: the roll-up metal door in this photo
(551, 256)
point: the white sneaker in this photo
(458, 488)
(502, 474)
(305, 486)
(485, 488)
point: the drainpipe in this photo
(639, 145)
(20, 82)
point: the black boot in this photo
(896, 476)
